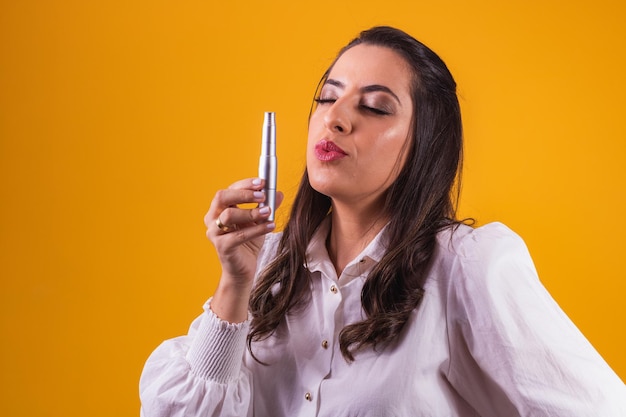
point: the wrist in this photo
(230, 301)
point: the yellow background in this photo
(120, 119)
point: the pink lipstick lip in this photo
(328, 151)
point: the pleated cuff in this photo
(216, 352)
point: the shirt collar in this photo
(317, 254)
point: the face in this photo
(358, 133)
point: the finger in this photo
(254, 183)
(240, 192)
(237, 237)
(239, 217)
(279, 199)
(230, 198)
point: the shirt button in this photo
(333, 289)
(325, 344)
(308, 396)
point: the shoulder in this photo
(488, 259)
(471, 243)
(480, 249)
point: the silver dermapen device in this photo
(267, 163)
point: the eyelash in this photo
(325, 100)
(374, 110)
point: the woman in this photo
(375, 300)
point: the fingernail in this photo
(258, 195)
(270, 225)
(256, 181)
(264, 210)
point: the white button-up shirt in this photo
(486, 340)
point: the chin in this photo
(323, 185)
(321, 188)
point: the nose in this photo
(337, 118)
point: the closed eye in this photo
(375, 110)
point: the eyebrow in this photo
(366, 89)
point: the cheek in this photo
(392, 150)
(393, 143)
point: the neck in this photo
(352, 229)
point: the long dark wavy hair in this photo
(419, 204)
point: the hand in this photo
(237, 242)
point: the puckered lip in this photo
(326, 150)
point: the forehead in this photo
(370, 64)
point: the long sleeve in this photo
(514, 352)
(200, 374)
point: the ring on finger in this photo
(221, 225)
